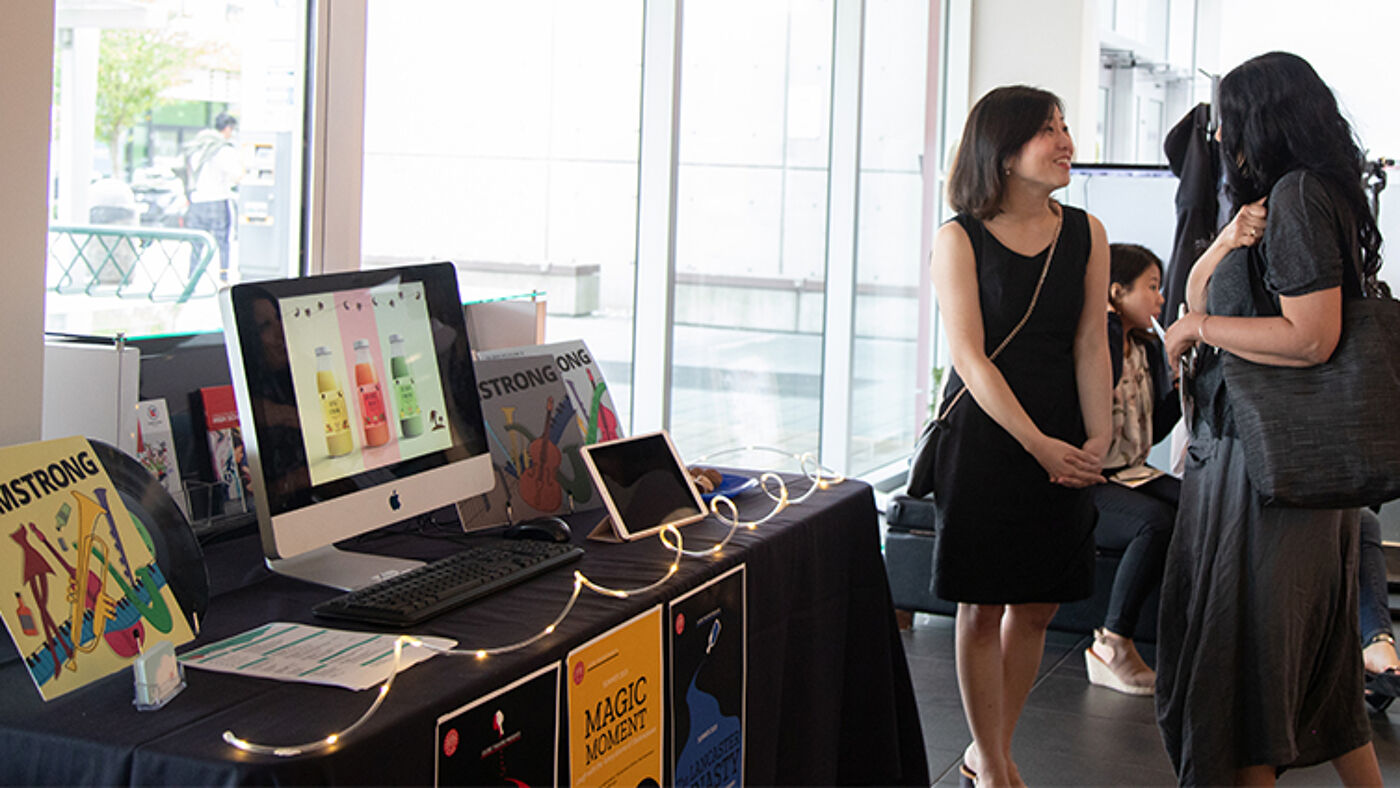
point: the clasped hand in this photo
(1070, 466)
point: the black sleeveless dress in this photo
(1007, 535)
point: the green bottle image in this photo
(405, 390)
(333, 411)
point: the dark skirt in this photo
(1258, 649)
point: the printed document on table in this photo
(297, 652)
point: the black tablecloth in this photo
(829, 695)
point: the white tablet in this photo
(644, 484)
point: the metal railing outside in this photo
(154, 263)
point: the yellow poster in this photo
(617, 693)
(74, 561)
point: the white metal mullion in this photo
(931, 172)
(843, 179)
(654, 298)
(955, 38)
(338, 148)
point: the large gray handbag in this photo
(1327, 436)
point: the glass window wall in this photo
(886, 378)
(175, 161)
(755, 119)
(504, 137)
(507, 138)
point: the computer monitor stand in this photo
(331, 566)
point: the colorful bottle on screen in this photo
(405, 390)
(334, 413)
(371, 396)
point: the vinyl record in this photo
(178, 553)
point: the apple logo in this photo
(394, 500)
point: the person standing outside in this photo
(1258, 668)
(214, 170)
(1015, 517)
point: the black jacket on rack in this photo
(1193, 155)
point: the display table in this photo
(829, 695)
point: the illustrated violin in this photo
(538, 483)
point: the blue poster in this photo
(708, 680)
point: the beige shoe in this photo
(1117, 669)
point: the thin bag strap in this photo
(1035, 296)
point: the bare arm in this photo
(1092, 372)
(1305, 334)
(1244, 230)
(954, 272)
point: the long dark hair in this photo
(1276, 116)
(999, 125)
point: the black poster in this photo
(509, 738)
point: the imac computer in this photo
(358, 406)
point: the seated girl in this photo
(1137, 505)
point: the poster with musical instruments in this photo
(85, 593)
(583, 379)
(535, 443)
(617, 706)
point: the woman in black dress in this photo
(1257, 665)
(1015, 522)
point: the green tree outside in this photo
(134, 68)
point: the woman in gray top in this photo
(1257, 661)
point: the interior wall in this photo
(26, 93)
(1050, 44)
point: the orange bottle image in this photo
(26, 617)
(334, 413)
(371, 396)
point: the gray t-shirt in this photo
(1308, 244)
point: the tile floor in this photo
(1072, 733)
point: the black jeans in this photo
(1138, 521)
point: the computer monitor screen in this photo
(358, 407)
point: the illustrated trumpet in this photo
(87, 588)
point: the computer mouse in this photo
(544, 529)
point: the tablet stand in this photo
(606, 531)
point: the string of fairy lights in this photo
(770, 483)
